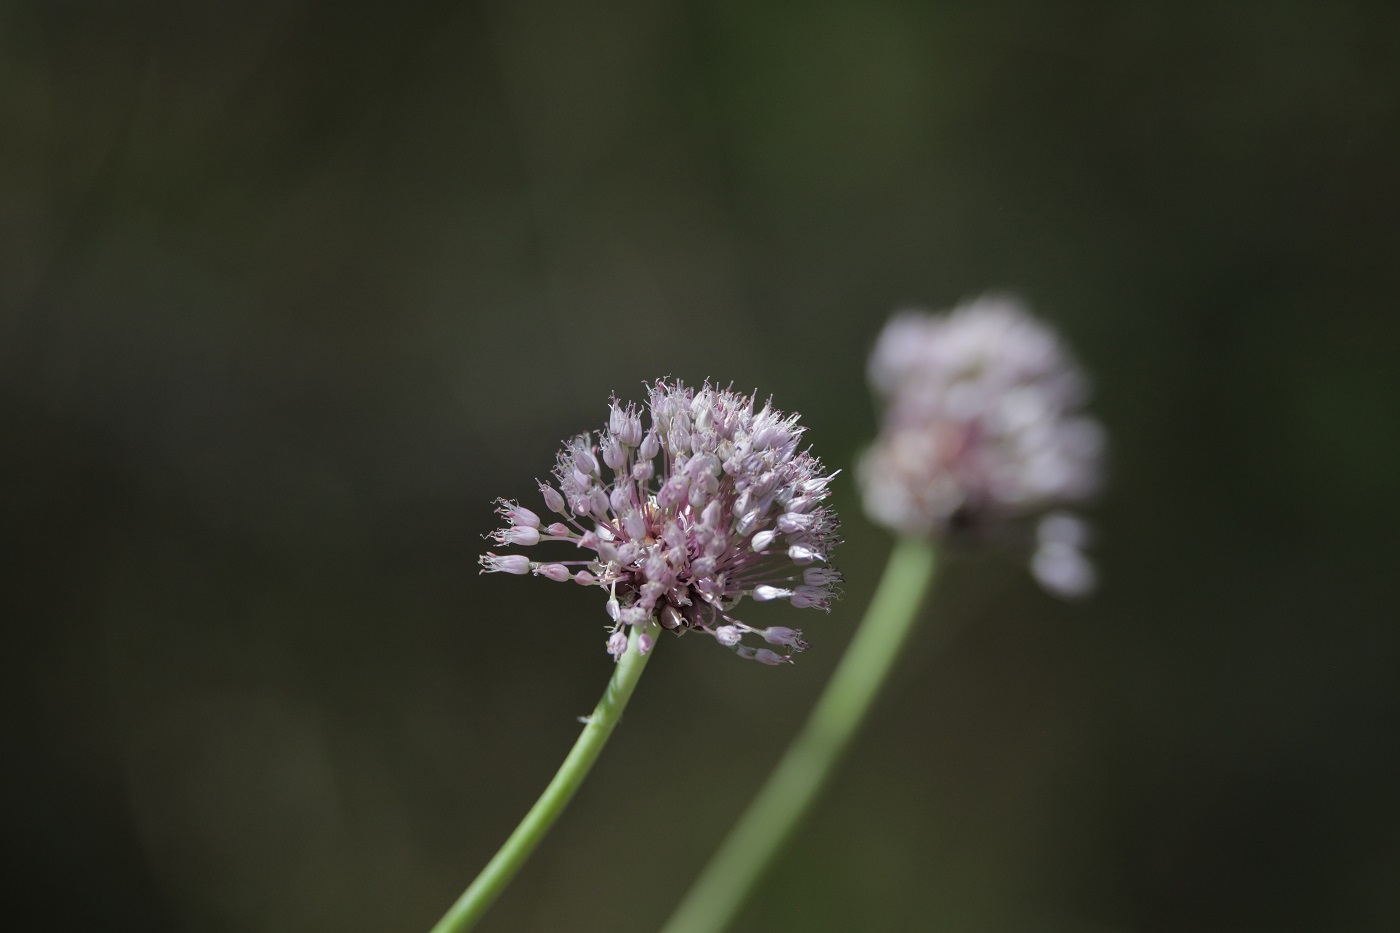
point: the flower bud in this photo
(584, 460)
(631, 432)
(552, 498)
(697, 496)
(617, 644)
(613, 454)
(764, 540)
(671, 618)
(728, 635)
(791, 523)
(672, 493)
(1063, 570)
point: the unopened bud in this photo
(672, 492)
(671, 618)
(764, 540)
(552, 498)
(584, 460)
(631, 432)
(728, 635)
(556, 572)
(698, 495)
(613, 454)
(792, 523)
(1063, 570)
(617, 645)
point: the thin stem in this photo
(736, 868)
(507, 861)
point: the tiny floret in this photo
(684, 516)
(504, 563)
(984, 431)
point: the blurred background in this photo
(289, 291)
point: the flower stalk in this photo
(503, 866)
(738, 866)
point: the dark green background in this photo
(290, 291)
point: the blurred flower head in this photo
(983, 429)
(685, 516)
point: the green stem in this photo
(724, 885)
(505, 863)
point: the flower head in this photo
(983, 426)
(685, 516)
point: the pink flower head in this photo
(685, 516)
(983, 426)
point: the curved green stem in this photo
(724, 885)
(507, 861)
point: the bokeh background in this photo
(289, 291)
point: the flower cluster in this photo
(710, 503)
(983, 426)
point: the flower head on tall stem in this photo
(983, 430)
(684, 516)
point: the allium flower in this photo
(710, 503)
(983, 427)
